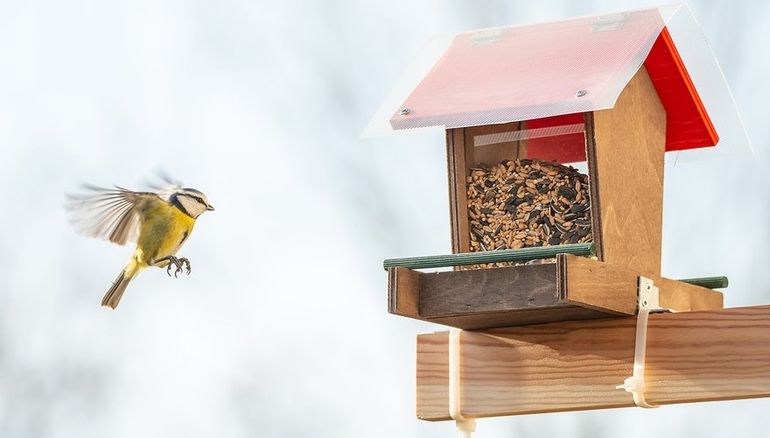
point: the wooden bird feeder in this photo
(566, 92)
(613, 93)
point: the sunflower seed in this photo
(542, 203)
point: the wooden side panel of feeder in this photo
(458, 199)
(404, 292)
(625, 147)
(691, 357)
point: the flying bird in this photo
(158, 221)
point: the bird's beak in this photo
(210, 208)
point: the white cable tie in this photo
(635, 384)
(649, 301)
(465, 425)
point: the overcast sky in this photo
(282, 329)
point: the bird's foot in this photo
(179, 263)
(186, 264)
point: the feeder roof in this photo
(578, 65)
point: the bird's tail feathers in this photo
(112, 297)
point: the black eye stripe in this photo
(197, 198)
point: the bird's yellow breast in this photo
(163, 230)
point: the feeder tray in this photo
(571, 288)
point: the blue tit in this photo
(159, 222)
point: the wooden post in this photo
(691, 357)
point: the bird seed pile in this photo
(524, 203)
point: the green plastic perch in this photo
(521, 255)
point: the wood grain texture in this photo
(691, 357)
(574, 288)
(606, 287)
(519, 317)
(457, 171)
(625, 147)
(484, 298)
(684, 297)
(404, 292)
(593, 184)
(488, 290)
(597, 285)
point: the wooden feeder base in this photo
(691, 357)
(573, 288)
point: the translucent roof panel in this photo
(530, 72)
(713, 90)
(539, 71)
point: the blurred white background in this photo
(282, 330)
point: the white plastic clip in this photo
(464, 425)
(649, 301)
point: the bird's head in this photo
(192, 202)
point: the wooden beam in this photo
(691, 357)
(625, 147)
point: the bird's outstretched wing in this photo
(111, 214)
(165, 186)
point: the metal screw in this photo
(405, 111)
(580, 93)
(644, 303)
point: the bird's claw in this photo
(168, 268)
(186, 264)
(180, 264)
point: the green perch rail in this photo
(708, 282)
(501, 255)
(520, 255)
